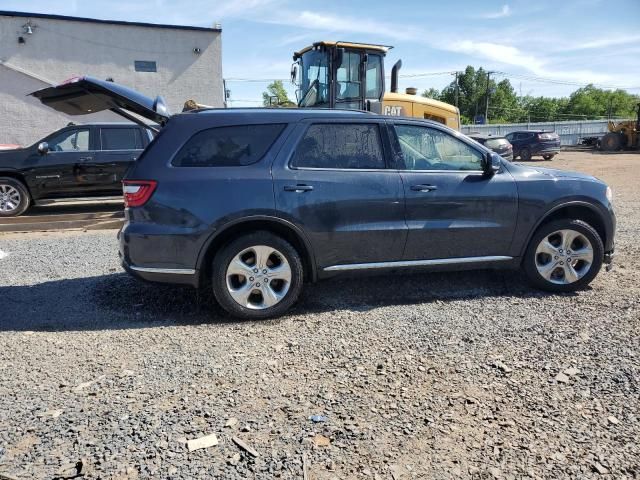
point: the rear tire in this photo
(548, 157)
(257, 276)
(525, 154)
(14, 197)
(611, 142)
(563, 256)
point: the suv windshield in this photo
(314, 83)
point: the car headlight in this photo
(609, 195)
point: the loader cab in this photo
(340, 75)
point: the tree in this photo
(431, 93)
(592, 102)
(276, 95)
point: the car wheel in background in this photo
(563, 256)
(525, 154)
(257, 276)
(14, 197)
(548, 157)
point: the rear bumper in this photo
(157, 272)
(542, 149)
(163, 275)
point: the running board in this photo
(64, 201)
(416, 263)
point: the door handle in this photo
(86, 159)
(423, 188)
(298, 188)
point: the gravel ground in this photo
(465, 375)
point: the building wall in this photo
(60, 49)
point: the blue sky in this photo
(569, 41)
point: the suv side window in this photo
(340, 145)
(75, 140)
(509, 136)
(228, 146)
(121, 139)
(425, 148)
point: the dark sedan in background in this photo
(497, 143)
(76, 161)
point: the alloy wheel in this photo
(258, 277)
(10, 198)
(564, 257)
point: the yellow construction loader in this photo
(351, 75)
(622, 135)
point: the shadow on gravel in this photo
(118, 301)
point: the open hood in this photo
(84, 95)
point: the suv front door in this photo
(332, 181)
(453, 209)
(56, 172)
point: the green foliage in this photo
(432, 93)
(505, 106)
(276, 95)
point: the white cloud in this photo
(505, 11)
(606, 43)
(320, 21)
(496, 52)
(541, 67)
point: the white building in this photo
(37, 50)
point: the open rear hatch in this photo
(85, 95)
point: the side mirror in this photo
(294, 73)
(43, 148)
(490, 164)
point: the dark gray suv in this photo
(251, 203)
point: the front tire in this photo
(548, 157)
(563, 256)
(257, 276)
(525, 154)
(14, 197)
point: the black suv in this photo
(76, 161)
(253, 202)
(529, 143)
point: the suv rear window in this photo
(228, 146)
(496, 142)
(121, 139)
(355, 146)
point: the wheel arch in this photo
(17, 175)
(576, 210)
(275, 225)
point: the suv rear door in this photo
(453, 210)
(118, 147)
(333, 181)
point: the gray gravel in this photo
(465, 375)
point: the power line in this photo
(536, 78)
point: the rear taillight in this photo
(137, 192)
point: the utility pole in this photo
(486, 107)
(456, 90)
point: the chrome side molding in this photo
(416, 263)
(172, 271)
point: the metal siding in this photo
(570, 132)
